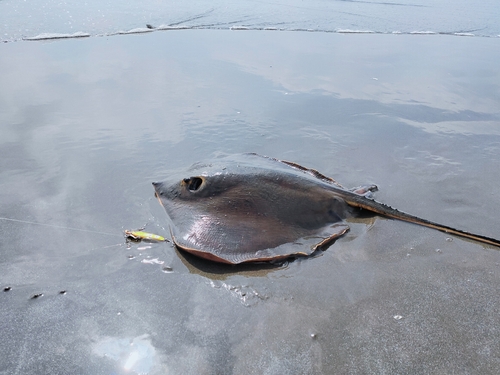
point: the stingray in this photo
(252, 208)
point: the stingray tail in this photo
(385, 210)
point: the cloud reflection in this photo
(134, 355)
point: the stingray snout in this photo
(166, 191)
(158, 188)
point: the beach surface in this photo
(88, 124)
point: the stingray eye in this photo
(193, 183)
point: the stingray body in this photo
(247, 208)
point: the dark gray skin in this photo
(248, 208)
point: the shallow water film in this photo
(88, 124)
(56, 19)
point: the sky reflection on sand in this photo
(88, 124)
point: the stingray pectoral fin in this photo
(318, 239)
(305, 246)
(200, 253)
(339, 230)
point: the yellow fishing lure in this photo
(143, 236)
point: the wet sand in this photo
(88, 124)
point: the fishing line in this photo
(58, 226)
